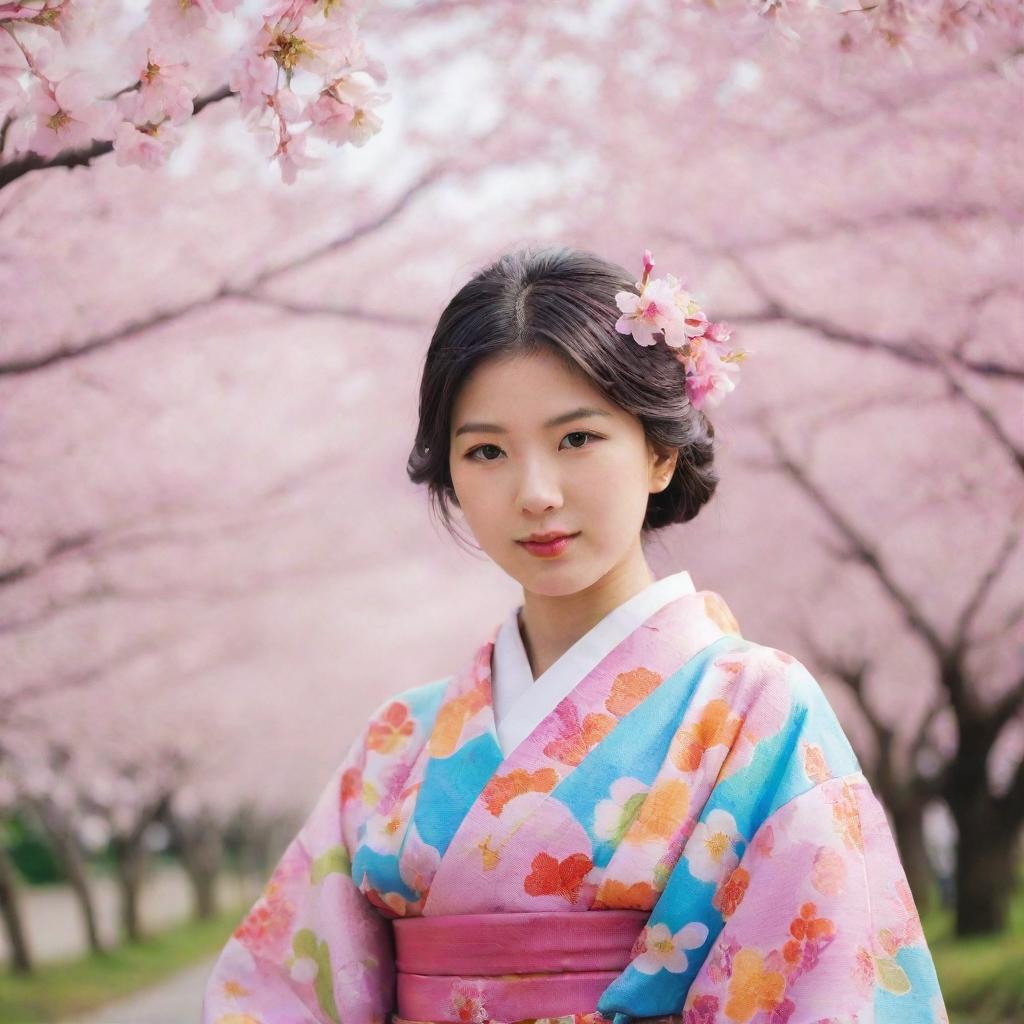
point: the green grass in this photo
(61, 990)
(982, 979)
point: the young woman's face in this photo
(525, 459)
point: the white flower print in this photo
(710, 850)
(664, 951)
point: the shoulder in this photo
(400, 724)
(762, 676)
(788, 736)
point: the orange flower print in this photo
(662, 812)
(829, 872)
(815, 765)
(715, 727)
(503, 788)
(452, 717)
(731, 893)
(553, 877)
(392, 729)
(615, 895)
(752, 987)
(846, 818)
(630, 688)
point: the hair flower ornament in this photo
(663, 306)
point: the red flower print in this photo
(351, 784)
(552, 877)
(811, 934)
(731, 894)
(703, 1011)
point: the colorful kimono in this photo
(669, 823)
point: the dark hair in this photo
(563, 299)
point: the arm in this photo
(819, 923)
(312, 950)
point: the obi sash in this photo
(510, 966)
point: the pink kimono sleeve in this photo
(312, 948)
(819, 924)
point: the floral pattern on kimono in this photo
(692, 774)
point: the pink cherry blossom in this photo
(653, 310)
(66, 115)
(343, 113)
(149, 148)
(184, 17)
(711, 381)
(254, 78)
(165, 87)
(292, 155)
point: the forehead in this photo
(526, 387)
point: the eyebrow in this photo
(565, 417)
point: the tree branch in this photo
(860, 547)
(983, 587)
(912, 351)
(30, 364)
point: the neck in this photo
(551, 625)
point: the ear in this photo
(661, 467)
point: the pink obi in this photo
(463, 968)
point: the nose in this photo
(540, 490)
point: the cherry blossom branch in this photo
(82, 156)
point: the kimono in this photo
(669, 823)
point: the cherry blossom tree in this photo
(207, 383)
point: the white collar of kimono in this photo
(521, 702)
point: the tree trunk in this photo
(69, 856)
(20, 961)
(908, 824)
(984, 875)
(200, 850)
(130, 858)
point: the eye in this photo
(580, 433)
(471, 454)
(480, 448)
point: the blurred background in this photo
(212, 564)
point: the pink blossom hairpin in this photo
(662, 307)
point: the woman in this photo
(619, 807)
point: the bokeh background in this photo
(213, 567)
